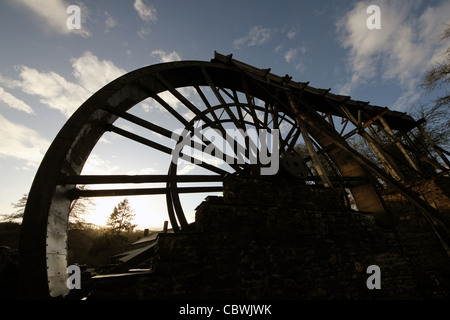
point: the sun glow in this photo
(150, 212)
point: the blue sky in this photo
(47, 70)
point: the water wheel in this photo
(225, 118)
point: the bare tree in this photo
(78, 208)
(18, 214)
(439, 74)
(437, 116)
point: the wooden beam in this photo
(398, 143)
(312, 152)
(119, 179)
(373, 143)
(163, 149)
(138, 192)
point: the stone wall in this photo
(436, 191)
(280, 239)
(417, 238)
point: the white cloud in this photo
(166, 57)
(256, 36)
(143, 171)
(186, 168)
(144, 32)
(93, 73)
(402, 50)
(300, 67)
(53, 90)
(290, 55)
(278, 48)
(22, 143)
(96, 165)
(14, 102)
(152, 105)
(291, 33)
(8, 82)
(110, 22)
(104, 140)
(53, 14)
(146, 13)
(63, 95)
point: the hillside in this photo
(90, 246)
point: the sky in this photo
(48, 69)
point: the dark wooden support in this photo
(441, 152)
(138, 192)
(120, 179)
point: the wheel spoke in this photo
(294, 139)
(143, 123)
(164, 149)
(208, 106)
(185, 101)
(137, 138)
(122, 179)
(220, 98)
(285, 141)
(77, 193)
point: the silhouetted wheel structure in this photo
(225, 97)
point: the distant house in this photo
(140, 251)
